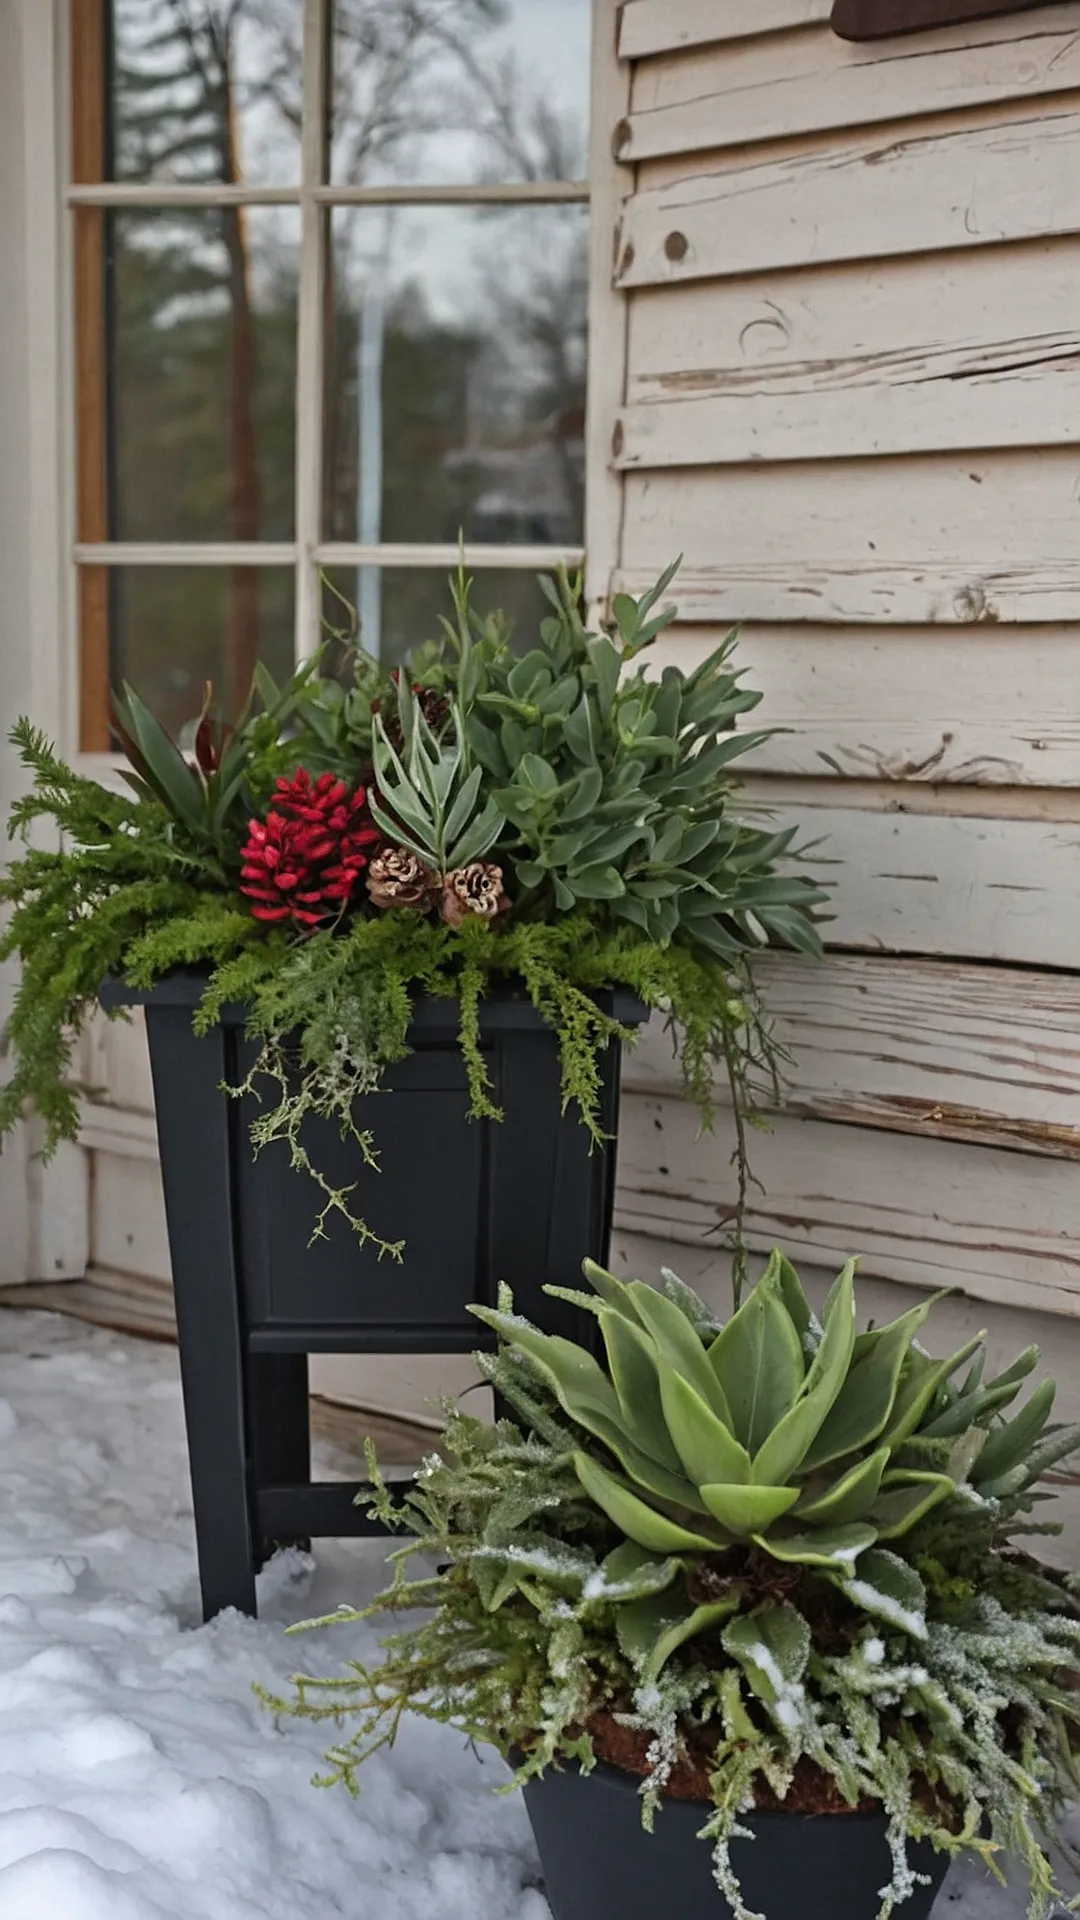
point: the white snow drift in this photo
(140, 1779)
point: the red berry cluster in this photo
(303, 862)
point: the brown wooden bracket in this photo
(878, 19)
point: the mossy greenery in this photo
(561, 819)
(903, 1653)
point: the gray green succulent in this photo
(615, 783)
(779, 1550)
(809, 1442)
(428, 794)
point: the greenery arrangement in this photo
(770, 1562)
(559, 819)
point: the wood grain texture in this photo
(991, 538)
(962, 888)
(670, 26)
(983, 706)
(1002, 1226)
(607, 315)
(1033, 406)
(775, 86)
(850, 327)
(870, 197)
(974, 351)
(989, 1055)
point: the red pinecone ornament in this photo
(304, 861)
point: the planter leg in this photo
(280, 1429)
(193, 1128)
(214, 1408)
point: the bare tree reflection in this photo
(483, 396)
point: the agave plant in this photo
(428, 794)
(814, 1444)
(774, 1431)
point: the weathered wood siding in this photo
(852, 401)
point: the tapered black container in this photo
(600, 1864)
(476, 1203)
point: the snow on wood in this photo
(976, 350)
(985, 706)
(993, 537)
(769, 88)
(944, 1050)
(1002, 1226)
(921, 191)
(669, 26)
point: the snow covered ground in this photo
(139, 1777)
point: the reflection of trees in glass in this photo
(176, 111)
(436, 89)
(483, 409)
(483, 404)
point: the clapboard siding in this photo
(990, 410)
(923, 355)
(852, 388)
(1002, 1226)
(667, 26)
(942, 1050)
(853, 327)
(905, 192)
(986, 706)
(993, 537)
(783, 84)
(934, 884)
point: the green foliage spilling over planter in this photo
(560, 818)
(780, 1553)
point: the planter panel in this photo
(476, 1202)
(429, 1192)
(598, 1861)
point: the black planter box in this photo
(599, 1862)
(476, 1202)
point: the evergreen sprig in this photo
(601, 797)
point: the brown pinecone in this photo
(396, 878)
(477, 888)
(433, 705)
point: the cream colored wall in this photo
(850, 399)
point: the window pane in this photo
(175, 628)
(202, 373)
(456, 375)
(442, 91)
(398, 609)
(204, 90)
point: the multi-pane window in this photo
(330, 314)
